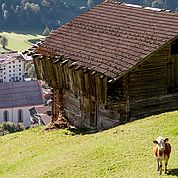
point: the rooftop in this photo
(11, 56)
(112, 37)
(20, 94)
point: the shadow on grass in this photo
(7, 49)
(173, 172)
(82, 131)
(4, 50)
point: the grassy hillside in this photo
(121, 152)
(18, 41)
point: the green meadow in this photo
(19, 41)
(121, 152)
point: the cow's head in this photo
(160, 141)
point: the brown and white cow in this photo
(162, 150)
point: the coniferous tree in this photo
(46, 31)
(4, 41)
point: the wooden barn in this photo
(113, 64)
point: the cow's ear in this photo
(154, 141)
(166, 139)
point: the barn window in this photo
(174, 47)
(20, 115)
(6, 116)
(115, 91)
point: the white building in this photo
(16, 98)
(12, 67)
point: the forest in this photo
(39, 14)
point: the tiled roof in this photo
(42, 109)
(46, 119)
(112, 37)
(10, 56)
(20, 94)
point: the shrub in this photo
(10, 127)
(4, 41)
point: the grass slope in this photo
(18, 41)
(121, 152)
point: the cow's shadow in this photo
(173, 172)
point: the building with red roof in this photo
(115, 63)
(16, 98)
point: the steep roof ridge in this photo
(99, 37)
(112, 2)
(137, 6)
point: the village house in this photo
(17, 98)
(40, 115)
(113, 64)
(12, 66)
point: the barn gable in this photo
(101, 63)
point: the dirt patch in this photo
(59, 123)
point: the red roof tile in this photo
(112, 37)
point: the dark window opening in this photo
(20, 115)
(174, 47)
(6, 116)
(115, 91)
(49, 113)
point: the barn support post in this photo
(57, 103)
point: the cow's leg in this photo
(158, 163)
(166, 162)
(160, 167)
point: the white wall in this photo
(1, 76)
(16, 68)
(13, 115)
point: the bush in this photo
(10, 127)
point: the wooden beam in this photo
(64, 62)
(102, 76)
(111, 81)
(78, 68)
(93, 73)
(36, 55)
(85, 70)
(57, 59)
(72, 65)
